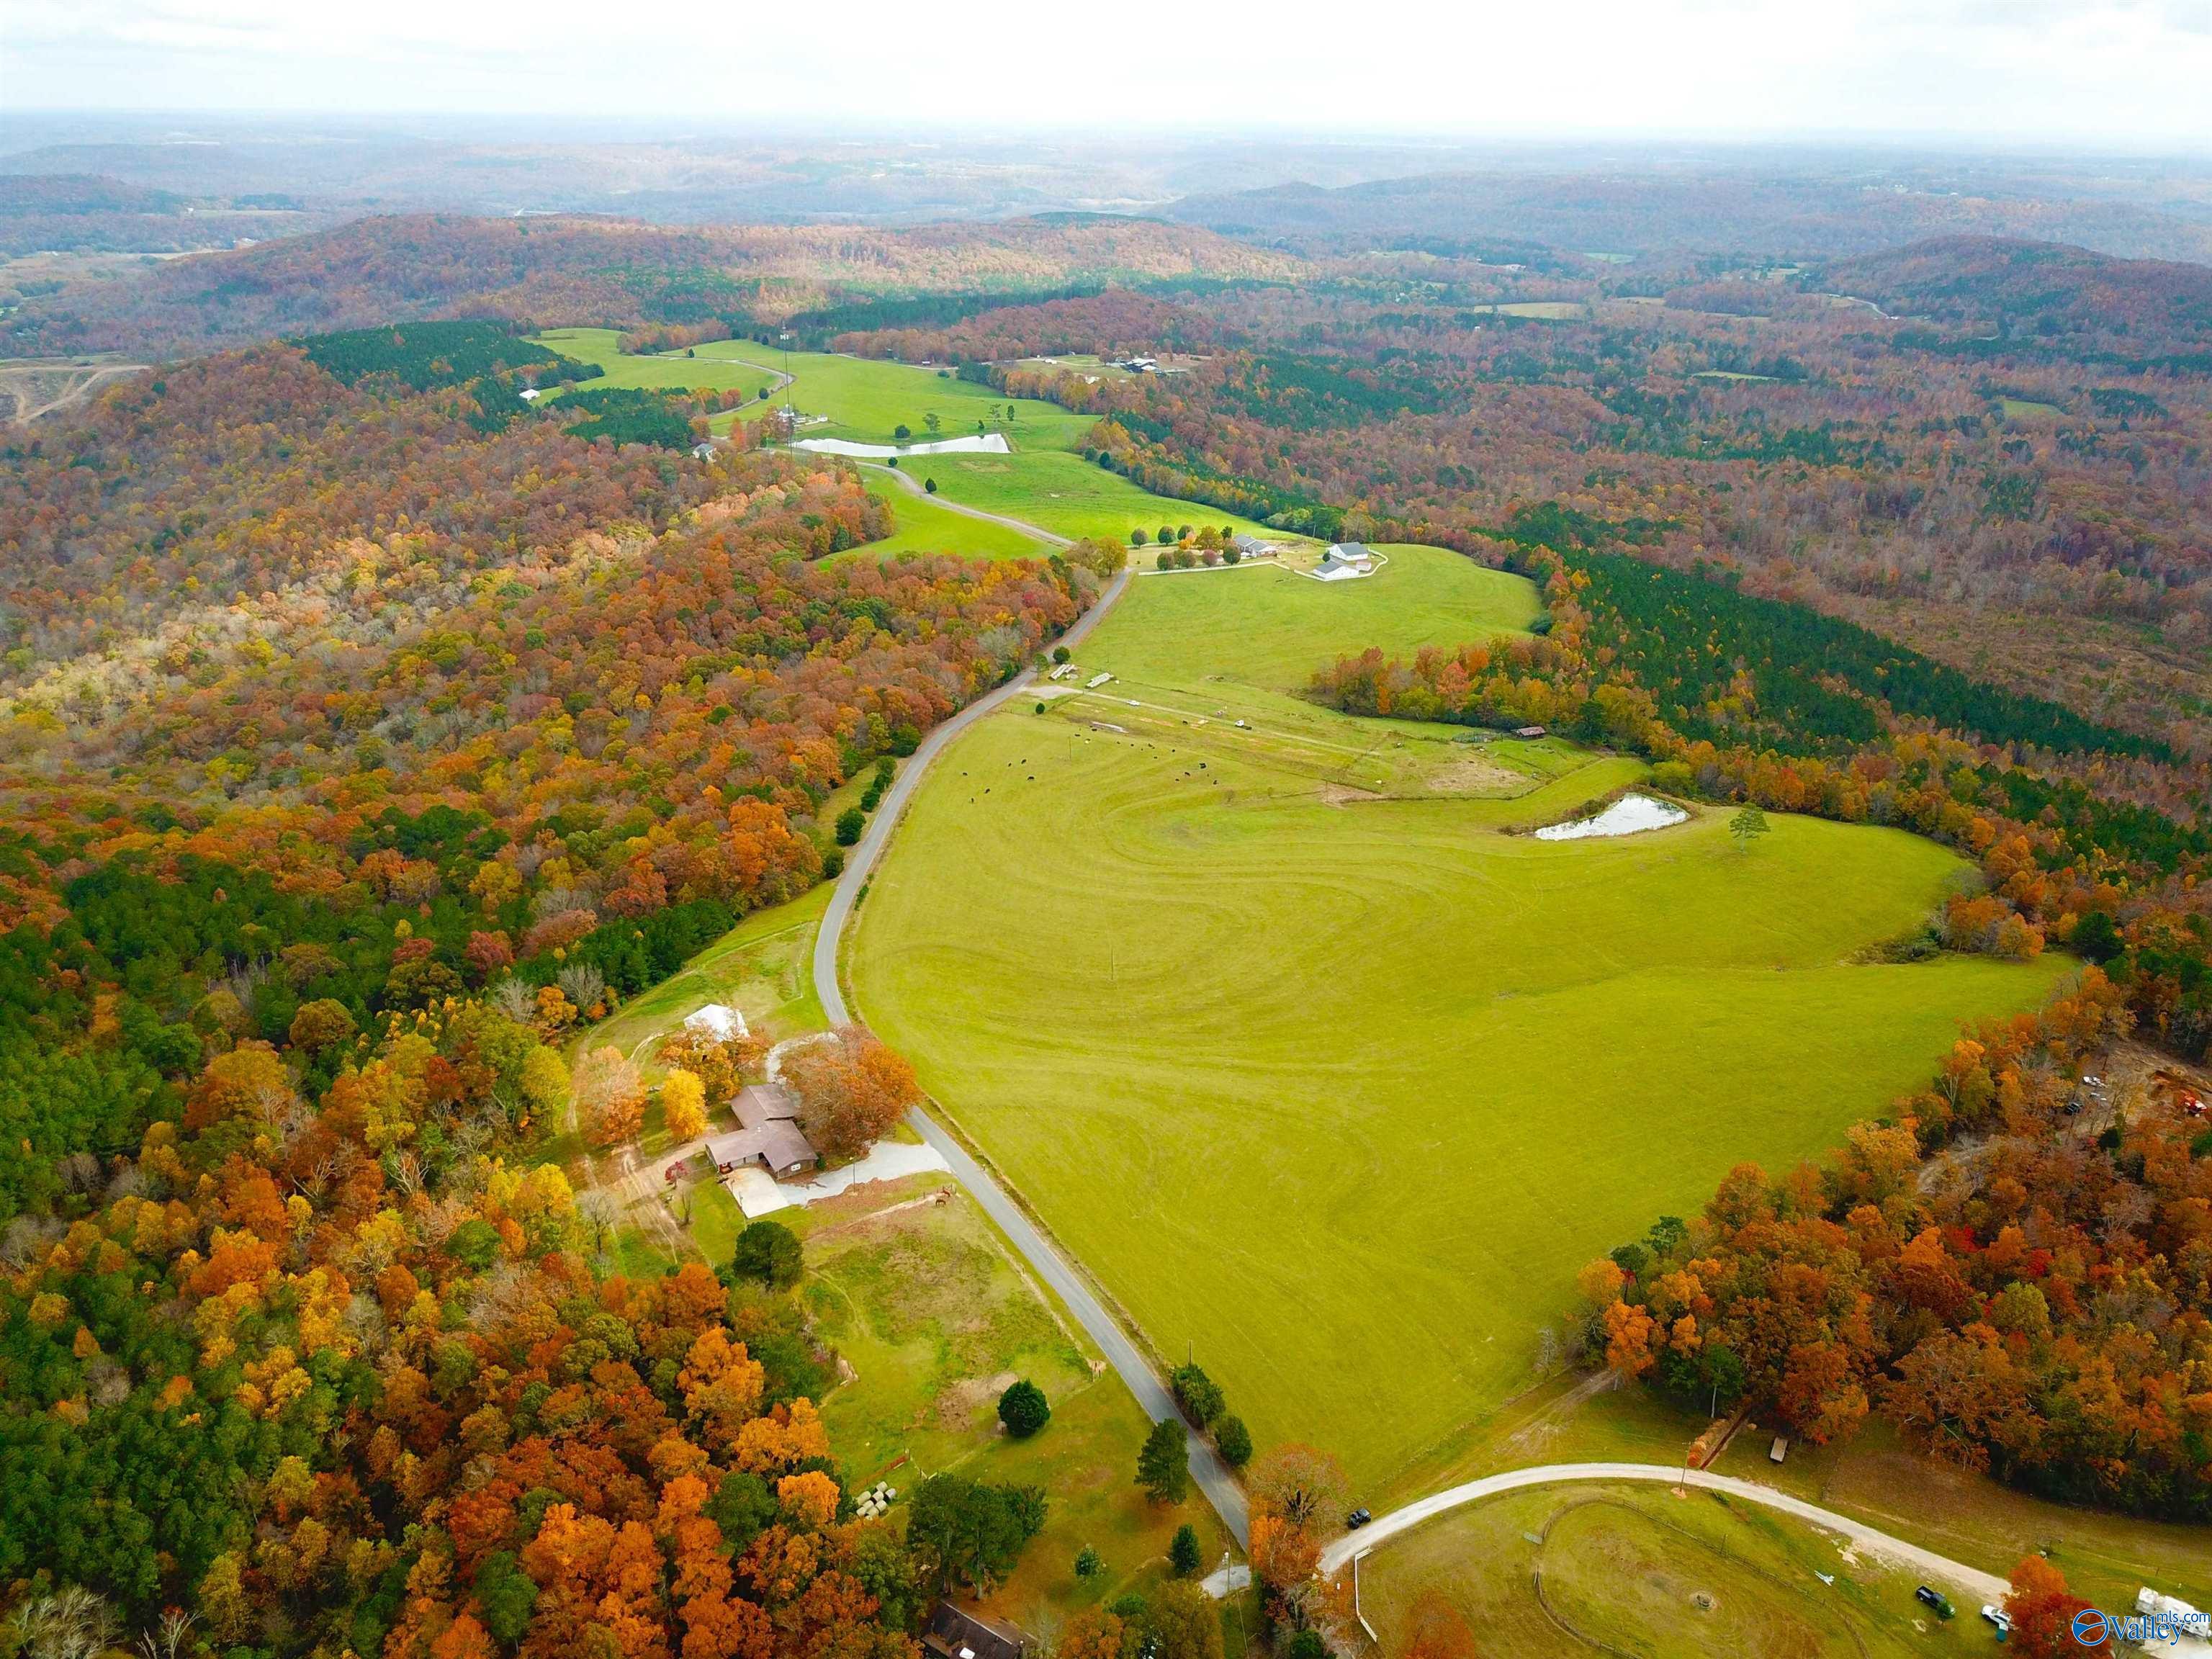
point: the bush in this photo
(833, 864)
(1233, 1441)
(1023, 1410)
(1137, 538)
(850, 822)
(1059, 654)
(930, 484)
(1165, 561)
(1087, 1562)
(1198, 1394)
(1183, 1557)
(769, 1251)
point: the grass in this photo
(1065, 494)
(1642, 1572)
(927, 1307)
(762, 968)
(927, 526)
(1343, 1092)
(865, 400)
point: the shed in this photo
(1779, 1449)
(1529, 732)
(956, 1633)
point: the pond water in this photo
(1631, 815)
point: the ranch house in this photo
(767, 1134)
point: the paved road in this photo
(1979, 1586)
(1045, 1261)
(914, 486)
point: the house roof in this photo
(775, 1145)
(759, 1103)
(954, 1631)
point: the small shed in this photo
(956, 1633)
(703, 452)
(1529, 732)
(1779, 1449)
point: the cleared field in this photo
(1066, 493)
(935, 1319)
(1344, 1090)
(924, 526)
(1635, 1570)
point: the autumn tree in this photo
(852, 1087)
(683, 1105)
(609, 1097)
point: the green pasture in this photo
(925, 526)
(1065, 494)
(1343, 1088)
(929, 1310)
(1629, 1568)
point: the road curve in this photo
(1981, 1587)
(1045, 1261)
(914, 486)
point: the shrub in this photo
(1233, 1441)
(1087, 1564)
(769, 1251)
(850, 822)
(1165, 561)
(1023, 1410)
(1183, 1554)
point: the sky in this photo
(2126, 75)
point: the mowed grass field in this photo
(1634, 1568)
(1043, 482)
(1341, 1092)
(1066, 494)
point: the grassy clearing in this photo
(1343, 1091)
(927, 1306)
(1643, 1571)
(925, 526)
(1573, 1418)
(762, 968)
(1065, 494)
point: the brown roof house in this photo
(767, 1134)
(955, 1633)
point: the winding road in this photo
(1979, 1586)
(1045, 1259)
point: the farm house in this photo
(767, 1134)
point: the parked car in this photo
(1935, 1598)
(1358, 1519)
(2000, 1618)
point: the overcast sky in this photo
(2125, 74)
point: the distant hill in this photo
(576, 269)
(93, 213)
(1637, 209)
(2024, 293)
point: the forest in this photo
(357, 750)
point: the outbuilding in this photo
(955, 1633)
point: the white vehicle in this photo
(1998, 1617)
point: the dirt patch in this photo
(964, 1398)
(1473, 774)
(1342, 794)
